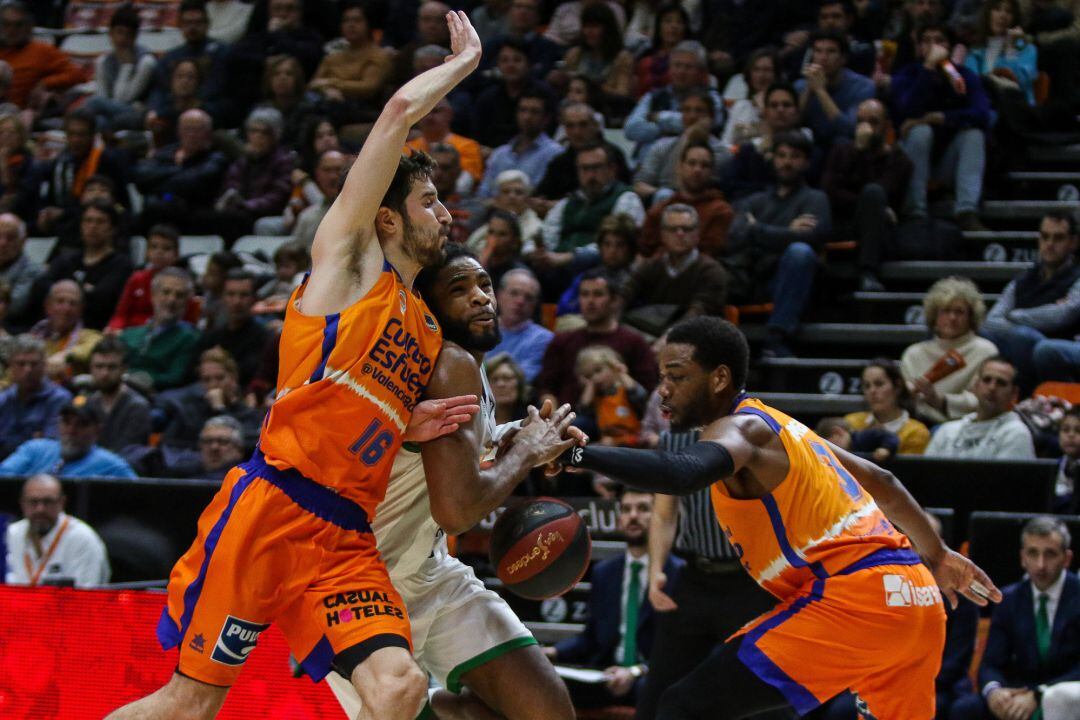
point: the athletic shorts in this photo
(276, 547)
(876, 629)
(457, 625)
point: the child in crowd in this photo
(291, 260)
(1065, 499)
(876, 443)
(611, 401)
(135, 306)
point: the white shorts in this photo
(457, 625)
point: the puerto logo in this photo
(900, 592)
(359, 604)
(236, 640)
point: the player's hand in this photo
(546, 438)
(660, 600)
(464, 42)
(956, 574)
(434, 418)
(619, 680)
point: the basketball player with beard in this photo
(288, 539)
(826, 532)
(465, 635)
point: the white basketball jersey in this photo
(405, 532)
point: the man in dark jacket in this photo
(943, 112)
(866, 182)
(1032, 659)
(183, 178)
(772, 250)
(618, 635)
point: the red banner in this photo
(78, 654)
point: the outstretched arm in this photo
(348, 228)
(953, 572)
(672, 473)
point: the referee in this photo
(713, 598)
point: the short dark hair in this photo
(509, 218)
(1072, 412)
(696, 145)
(416, 167)
(104, 180)
(425, 279)
(716, 342)
(110, 345)
(82, 115)
(795, 140)
(599, 273)
(848, 5)
(226, 260)
(103, 205)
(597, 145)
(702, 94)
(1000, 360)
(534, 94)
(125, 16)
(242, 274)
(934, 25)
(167, 231)
(508, 41)
(781, 86)
(832, 36)
(192, 5)
(1063, 216)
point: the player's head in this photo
(703, 367)
(458, 290)
(410, 212)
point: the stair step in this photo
(1027, 176)
(1010, 209)
(1054, 153)
(849, 333)
(906, 297)
(934, 269)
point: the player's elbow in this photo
(451, 518)
(397, 107)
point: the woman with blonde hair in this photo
(940, 371)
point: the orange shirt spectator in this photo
(33, 62)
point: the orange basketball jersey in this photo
(817, 523)
(347, 387)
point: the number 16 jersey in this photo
(347, 386)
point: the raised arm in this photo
(461, 493)
(348, 228)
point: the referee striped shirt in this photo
(698, 532)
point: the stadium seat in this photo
(265, 245)
(86, 44)
(200, 244)
(161, 41)
(995, 542)
(38, 249)
(137, 250)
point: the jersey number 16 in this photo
(372, 443)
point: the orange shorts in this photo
(877, 630)
(275, 546)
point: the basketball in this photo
(540, 548)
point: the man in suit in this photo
(618, 600)
(1031, 666)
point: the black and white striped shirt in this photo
(698, 532)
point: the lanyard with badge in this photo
(35, 575)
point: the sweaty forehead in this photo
(461, 268)
(677, 355)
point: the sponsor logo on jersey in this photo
(236, 640)
(401, 299)
(398, 364)
(901, 592)
(352, 605)
(431, 324)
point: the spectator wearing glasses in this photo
(48, 546)
(30, 406)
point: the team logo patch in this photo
(401, 299)
(901, 592)
(236, 641)
(431, 324)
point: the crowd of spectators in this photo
(617, 166)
